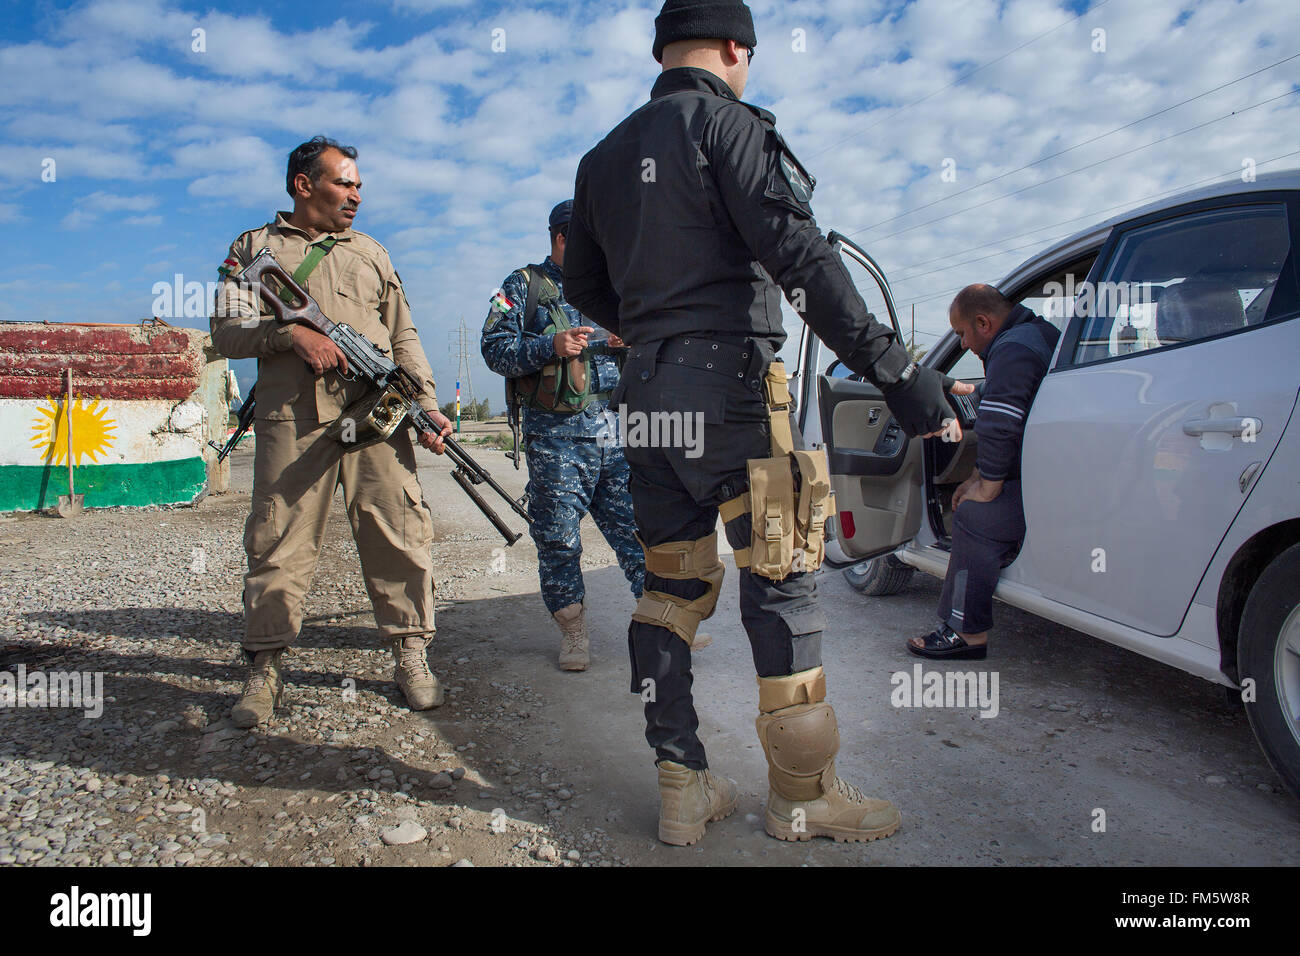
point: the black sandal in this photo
(943, 643)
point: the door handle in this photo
(1236, 427)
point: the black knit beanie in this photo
(703, 20)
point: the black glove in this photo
(920, 403)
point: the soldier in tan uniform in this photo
(300, 392)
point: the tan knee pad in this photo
(799, 734)
(681, 561)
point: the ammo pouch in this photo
(789, 497)
(561, 386)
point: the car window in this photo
(968, 368)
(1179, 281)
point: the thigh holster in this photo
(789, 496)
(799, 734)
(681, 561)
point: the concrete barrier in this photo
(146, 401)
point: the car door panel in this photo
(1134, 463)
(876, 472)
(1125, 509)
(864, 436)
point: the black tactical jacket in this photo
(686, 213)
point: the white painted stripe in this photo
(104, 431)
(1003, 411)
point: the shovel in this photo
(70, 505)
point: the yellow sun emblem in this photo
(92, 433)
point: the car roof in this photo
(1268, 182)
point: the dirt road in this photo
(1095, 755)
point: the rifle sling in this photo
(308, 265)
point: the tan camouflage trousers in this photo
(296, 469)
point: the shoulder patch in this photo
(800, 184)
(232, 263)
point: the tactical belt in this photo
(710, 355)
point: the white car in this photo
(1161, 460)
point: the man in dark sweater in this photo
(988, 525)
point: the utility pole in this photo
(463, 374)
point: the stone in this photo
(408, 831)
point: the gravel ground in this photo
(344, 775)
(528, 766)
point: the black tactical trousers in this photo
(675, 496)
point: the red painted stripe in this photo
(174, 390)
(106, 362)
(71, 338)
(104, 365)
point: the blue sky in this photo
(164, 153)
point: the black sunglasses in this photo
(750, 51)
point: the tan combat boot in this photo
(263, 691)
(422, 689)
(574, 646)
(689, 799)
(800, 738)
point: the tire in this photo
(879, 577)
(1270, 622)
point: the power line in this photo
(965, 76)
(1100, 162)
(1037, 243)
(1020, 235)
(1234, 172)
(1086, 142)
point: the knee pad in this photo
(799, 734)
(681, 561)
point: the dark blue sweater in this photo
(1014, 365)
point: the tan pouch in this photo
(816, 504)
(771, 495)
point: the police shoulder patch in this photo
(800, 183)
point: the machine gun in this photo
(393, 399)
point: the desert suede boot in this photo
(690, 799)
(421, 686)
(842, 813)
(574, 646)
(263, 691)
(800, 738)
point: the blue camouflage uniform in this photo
(575, 463)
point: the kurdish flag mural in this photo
(145, 400)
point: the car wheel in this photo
(1268, 652)
(879, 577)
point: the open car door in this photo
(876, 471)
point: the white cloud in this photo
(90, 209)
(463, 150)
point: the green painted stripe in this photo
(36, 487)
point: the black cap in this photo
(561, 215)
(703, 20)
